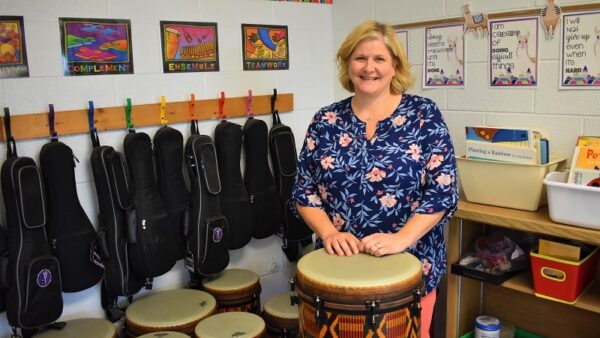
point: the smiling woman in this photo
(377, 173)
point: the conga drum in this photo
(234, 290)
(82, 327)
(231, 324)
(359, 296)
(165, 334)
(176, 310)
(281, 316)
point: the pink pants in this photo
(427, 304)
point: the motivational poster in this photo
(189, 46)
(444, 57)
(513, 54)
(580, 56)
(265, 47)
(13, 54)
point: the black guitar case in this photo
(208, 231)
(69, 230)
(235, 203)
(111, 245)
(282, 146)
(153, 248)
(168, 151)
(34, 297)
(264, 198)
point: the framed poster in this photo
(580, 51)
(13, 54)
(265, 47)
(96, 46)
(513, 53)
(189, 46)
(444, 57)
(403, 37)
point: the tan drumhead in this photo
(164, 334)
(170, 308)
(230, 280)
(82, 327)
(280, 306)
(231, 324)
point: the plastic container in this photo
(503, 184)
(519, 333)
(572, 204)
(487, 327)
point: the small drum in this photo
(359, 296)
(164, 334)
(231, 324)
(170, 310)
(234, 290)
(82, 327)
(281, 317)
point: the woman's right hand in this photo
(342, 244)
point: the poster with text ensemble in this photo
(13, 54)
(189, 46)
(580, 51)
(96, 46)
(444, 57)
(513, 54)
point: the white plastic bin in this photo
(572, 204)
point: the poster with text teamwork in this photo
(96, 46)
(580, 51)
(444, 57)
(514, 52)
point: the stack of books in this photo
(585, 166)
(522, 145)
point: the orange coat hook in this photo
(192, 106)
(163, 111)
(221, 106)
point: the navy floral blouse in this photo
(368, 186)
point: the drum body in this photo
(82, 327)
(281, 316)
(176, 310)
(359, 296)
(234, 290)
(231, 324)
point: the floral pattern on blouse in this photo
(375, 185)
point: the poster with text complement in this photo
(513, 53)
(13, 55)
(189, 47)
(96, 46)
(403, 37)
(580, 51)
(265, 47)
(444, 57)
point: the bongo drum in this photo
(231, 324)
(359, 296)
(281, 316)
(164, 334)
(234, 290)
(170, 310)
(82, 327)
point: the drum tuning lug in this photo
(372, 307)
(319, 311)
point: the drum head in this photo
(164, 334)
(231, 324)
(169, 309)
(359, 276)
(280, 306)
(82, 327)
(232, 284)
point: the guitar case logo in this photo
(217, 234)
(44, 278)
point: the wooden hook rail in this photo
(35, 125)
(498, 15)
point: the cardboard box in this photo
(510, 185)
(561, 280)
(559, 250)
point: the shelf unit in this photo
(514, 300)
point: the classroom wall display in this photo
(96, 46)
(265, 47)
(580, 51)
(189, 46)
(403, 37)
(444, 57)
(13, 54)
(513, 53)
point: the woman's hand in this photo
(342, 244)
(381, 244)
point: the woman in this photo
(377, 172)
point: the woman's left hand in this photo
(381, 244)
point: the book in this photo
(501, 152)
(588, 177)
(585, 164)
(501, 144)
(517, 137)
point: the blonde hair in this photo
(371, 30)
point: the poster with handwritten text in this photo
(580, 51)
(403, 37)
(444, 57)
(513, 54)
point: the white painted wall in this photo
(310, 79)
